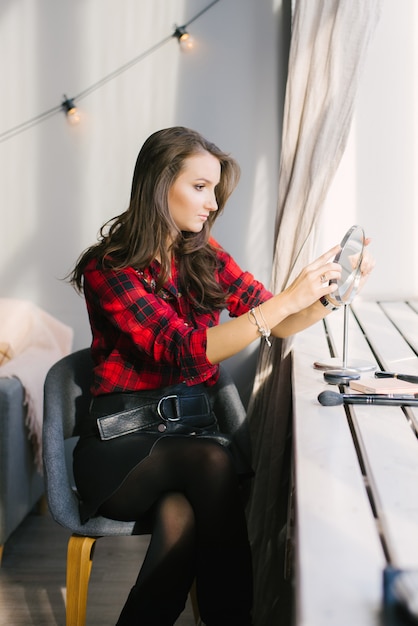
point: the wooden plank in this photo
(393, 351)
(339, 555)
(405, 319)
(388, 444)
(413, 304)
(390, 453)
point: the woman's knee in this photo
(215, 461)
(176, 514)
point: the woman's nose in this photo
(211, 203)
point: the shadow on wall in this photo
(245, 101)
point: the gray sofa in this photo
(21, 485)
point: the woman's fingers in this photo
(326, 269)
(367, 265)
(368, 262)
(327, 257)
(314, 280)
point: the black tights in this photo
(199, 531)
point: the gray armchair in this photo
(21, 484)
(66, 400)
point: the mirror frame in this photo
(351, 283)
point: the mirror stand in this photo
(341, 369)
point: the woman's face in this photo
(191, 197)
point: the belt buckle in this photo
(160, 409)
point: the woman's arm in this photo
(287, 313)
(294, 309)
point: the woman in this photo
(155, 285)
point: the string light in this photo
(185, 40)
(73, 114)
(68, 104)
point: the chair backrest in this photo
(230, 412)
(67, 389)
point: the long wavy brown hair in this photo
(140, 234)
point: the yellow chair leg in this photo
(79, 563)
(42, 506)
(1, 552)
(195, 606)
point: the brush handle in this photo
(406, 377)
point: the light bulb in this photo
(185, 40)
(73, 114)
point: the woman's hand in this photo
(313, 281)
(367, 265)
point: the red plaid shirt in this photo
(144, 340)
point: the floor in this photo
(32, 576)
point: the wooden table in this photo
(355, 470)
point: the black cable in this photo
(8, 134)
(121, 69)
(201, 13)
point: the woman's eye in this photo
(199, 187)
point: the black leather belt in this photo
(179, 410)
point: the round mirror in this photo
(350, 258)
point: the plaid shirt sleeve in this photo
(139, 339)
(244, 291)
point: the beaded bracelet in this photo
(263, 329)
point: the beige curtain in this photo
(328, 47)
